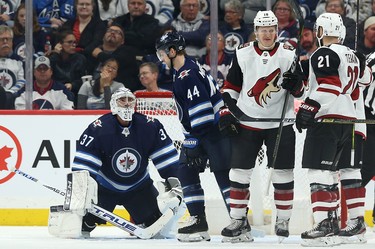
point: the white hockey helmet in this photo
(330, 24)
(265, 19)
(123, 103)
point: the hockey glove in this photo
(195, 155)
(228, 124)
(306, 114)
(362, 62)
(293, 82)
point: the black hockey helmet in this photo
(169, 40)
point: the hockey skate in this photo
(282, 228)
(354, 232)
(195, 230)
(237, 231)
(323, 234)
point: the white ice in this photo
(108, 237)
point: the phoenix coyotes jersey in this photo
(257, 75)
(334, 73)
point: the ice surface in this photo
(109, 237)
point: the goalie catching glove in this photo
(306, 114)
(228, 124)
(195, 155)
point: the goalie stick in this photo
(115, 220)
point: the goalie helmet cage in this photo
(262, 211)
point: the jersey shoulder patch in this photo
(244, 45)
(288, 47)
(101, 121)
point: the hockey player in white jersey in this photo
(334, 71)
(259, 80)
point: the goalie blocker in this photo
(66, 220)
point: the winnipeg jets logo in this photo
(232, 40)
(7, 78)
(264, 87)
(126, 162)
(183, 74)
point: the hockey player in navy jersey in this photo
(116, 149)
(199, 101)
(259, 80)
(334, 70)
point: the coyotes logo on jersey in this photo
(264, 87)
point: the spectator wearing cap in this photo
(366, 44)
(47, 93)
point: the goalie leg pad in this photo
(169, 230)
(81, 192)
(64, 224)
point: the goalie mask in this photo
(123, 103)
(330, 24)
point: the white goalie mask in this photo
(330, 24)
(123, 103)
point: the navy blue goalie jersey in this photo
(197, 97)
(117, 157)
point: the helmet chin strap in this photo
(320, 41)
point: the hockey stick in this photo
(352, 149)
(115, 220)
(301, 22)
(241, 116)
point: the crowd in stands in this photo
(113, 42)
